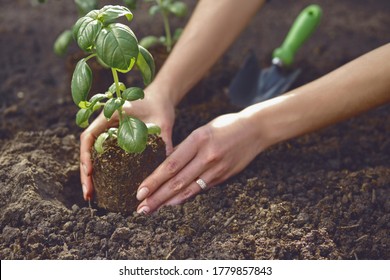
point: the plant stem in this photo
(118, 91)
(90, 56)
(116, 80)
(166, 25)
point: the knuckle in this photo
(172, 166)
(176, 185)
(201, 135)
(213, 155)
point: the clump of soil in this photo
(117, 174)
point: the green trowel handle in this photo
(303, 27)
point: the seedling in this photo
(116, 46)
(166, 8)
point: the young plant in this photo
(116, 46)
(166, 8)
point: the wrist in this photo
(270, 122)
(166, 89)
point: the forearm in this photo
(212, 28)
(350, 90)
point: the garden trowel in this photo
(252, 85)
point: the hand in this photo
(155, 108)
(214, 152)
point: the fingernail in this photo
(84, 187)
(144, 210)
(142, 193)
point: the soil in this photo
(321, 196)
(117, 174)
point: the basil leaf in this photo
(133, 93)
(85, 6)
(154, 10)
(111, 106)
(178, 8)
(117, 47)
(149, 42)
(111, 12)
(62, 42)
(132, 135)
(112, 88)
(97, 97)
(153, 128)
(177, 34)
(81, 82)
(100, 141)
(145, 64)
(131, 4)
(85, 32)
(82, 117)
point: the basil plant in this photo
(114, 45)
(166, 8)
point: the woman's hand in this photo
(155, 108)
(212, 153)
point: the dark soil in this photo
(321, 196)
(117, 174)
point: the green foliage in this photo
(84, 7)
(166, 8)
(81, 81)
(116, 46)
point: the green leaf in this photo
(84, 104)
(97, 97)
(149, 42)
(177, 34)
(178, 8)
(62, 42)
(111, 106)
(133, 93)
(154, 10)
(93, 14)
(145, 65)
(131, 4)
(117, 46)
(110, 12)
(100, 141)
(112, 88)
(81, 82)
(85, 32)
(85, 6)
(82, 117)
(132, 135)
(153, 128)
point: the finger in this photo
(187, 193)
(172, 187)
(87, 140)
(168, 169)
(86, 183)
(211, 177)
